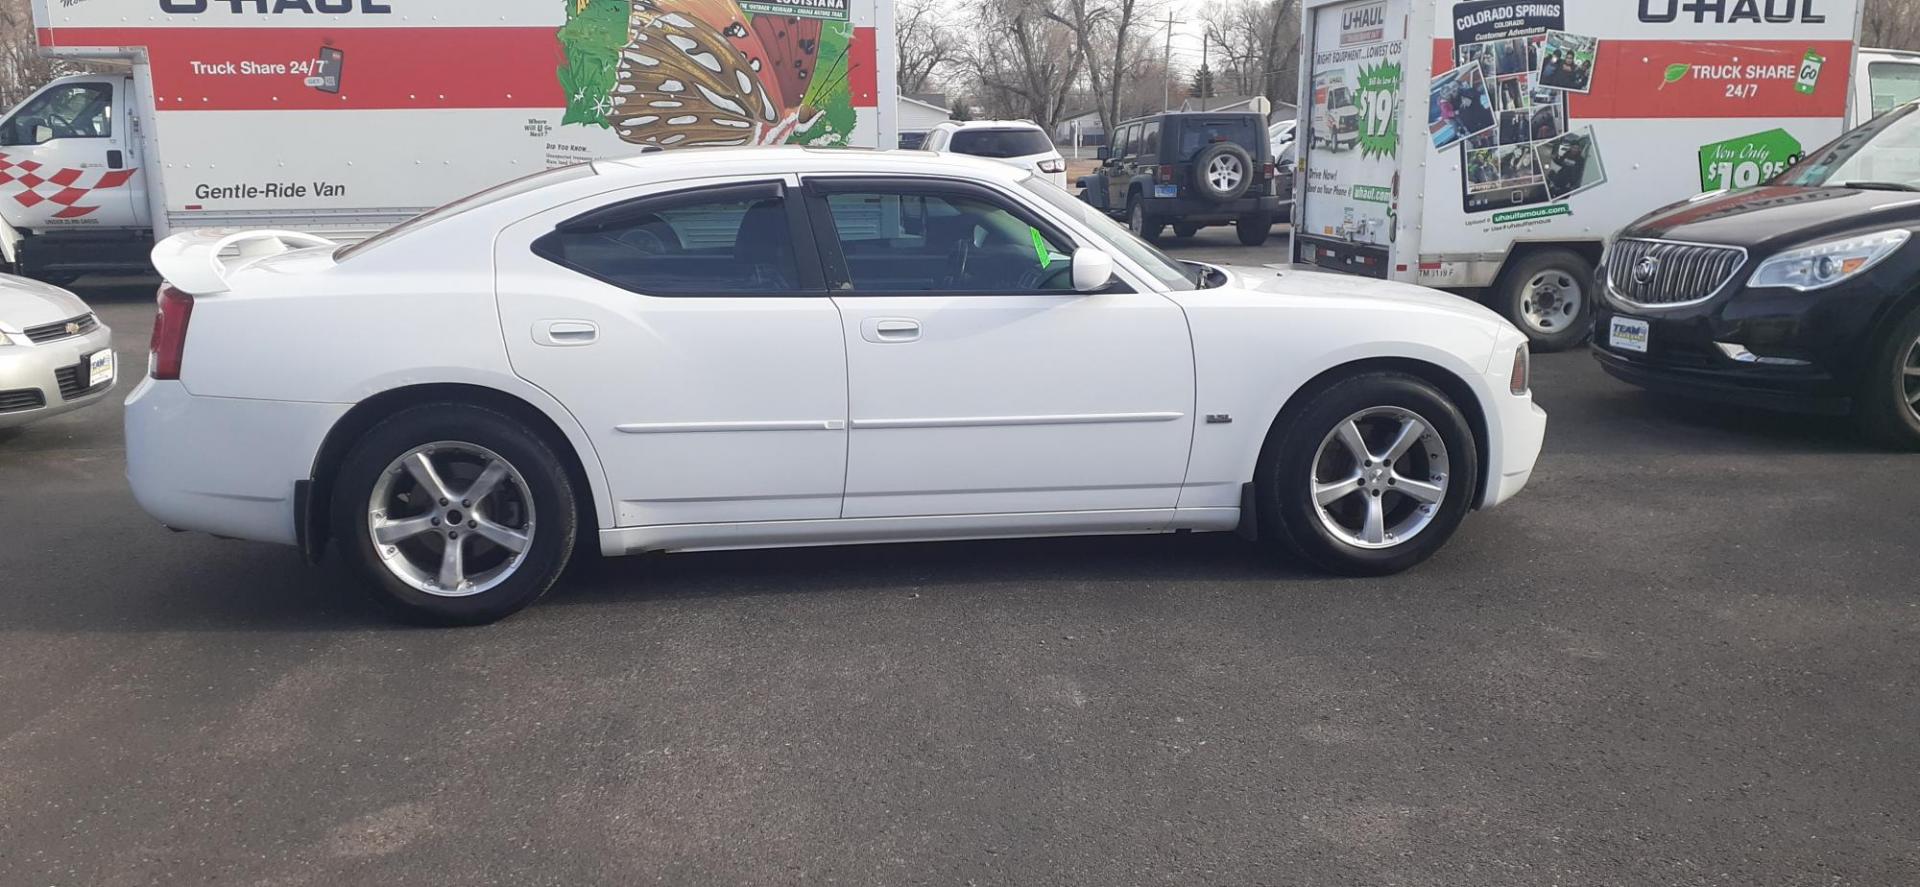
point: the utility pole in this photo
(1166, 69)
(1203, 66)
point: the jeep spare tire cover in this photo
(1222, 171)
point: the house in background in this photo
(918, 113)
(1092, 134)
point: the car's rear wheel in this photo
(454, 514)
(1144, 226)
(1889, 400)
(1549, 295)
(1253, 228)
(1371, 476)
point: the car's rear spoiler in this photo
(198, 262)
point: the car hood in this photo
(25, 303)
(1299, 281)
(1770, 218)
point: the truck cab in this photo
(72, 195)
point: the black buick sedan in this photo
(1802, 294)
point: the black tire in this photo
(1236, 158)
(553, 523)
(1885, 408)
(1253, 228)
(1286, 478)
(1181, 229)
(1144, 226)
(1533, 294)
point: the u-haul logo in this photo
(1777, 12)
(1363, 24)
(271, 7)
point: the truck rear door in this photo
(64, 157)
(1345, 221)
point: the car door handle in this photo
(890, 330)
(565, 333)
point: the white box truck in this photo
(342, 117)
(1500, 142)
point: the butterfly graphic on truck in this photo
(691, 73)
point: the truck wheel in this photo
(1253, 228)
(1370, 477)
(1549, 296)
(1889, 400)
(1182, 229)
(454, 514)
(1143, 226)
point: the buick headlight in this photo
(1825, 264)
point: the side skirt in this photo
(935, 528)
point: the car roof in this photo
(701, 162)
(988, 124)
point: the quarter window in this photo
(74, 111)
(738, 242)
(904, 242)
(1150, 139)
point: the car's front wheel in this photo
(454, 514)
(1889, 403)
(1371, 476)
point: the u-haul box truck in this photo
(1500, 142)
(342, 117)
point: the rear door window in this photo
(1009, 142)
(711, 242)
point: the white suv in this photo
(1014, 142)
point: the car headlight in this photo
(1825, 264)
(4, 341)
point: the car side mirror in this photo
(42, 134)
(1092, 270)
(1104, 154)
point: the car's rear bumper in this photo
(1201, 210)
(221, 465)
(38, 368)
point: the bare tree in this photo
(1106, 32)
(22, 68)
(1024, 64)
(927, 46)
(1258, 42)
(1891, 24)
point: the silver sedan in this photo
(55, 355)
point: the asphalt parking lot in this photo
(1687, 654)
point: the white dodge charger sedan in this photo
(762, 347)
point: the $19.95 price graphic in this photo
(1748, 160)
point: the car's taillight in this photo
(1053, 166)
(169, 344)
(1521, 379)
(1267, 170)
(1166, 173)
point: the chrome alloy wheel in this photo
(1551, 301)
(1379, 477)
(1910, 379)
(451, 519)
(1225, 172)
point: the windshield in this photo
(498, 192)
(1884, 153)
(1893, 84)
(1176, 275)
(1015, 142)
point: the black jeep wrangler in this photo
(1190, 170)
